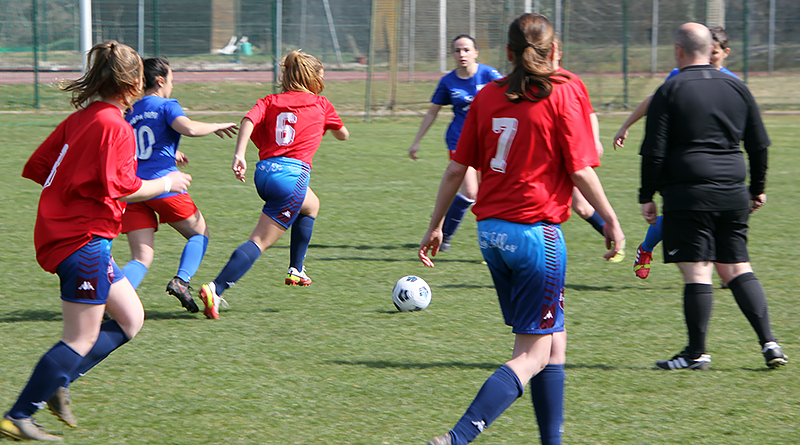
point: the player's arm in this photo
(589, 184)
(451, 183)
(239, 166)
(639, 112)
(427, 122)
(190, 128)
(175, 182)
(341, 134)
(598, 144)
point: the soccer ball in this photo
(411, 293)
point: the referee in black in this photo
(691, 155)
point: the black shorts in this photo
(692, 236)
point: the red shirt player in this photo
(287, 129)
(531, 137)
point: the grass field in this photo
(336, 364)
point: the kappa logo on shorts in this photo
(87, 290)
(548, 316)
(287, 214)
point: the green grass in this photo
(335, 364)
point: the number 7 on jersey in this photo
(507, 127)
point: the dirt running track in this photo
(27, 77)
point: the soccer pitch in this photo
(335, 363)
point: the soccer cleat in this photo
(641, 266)
(59, 405)
(212, 301)
(683, 361)
(774, 355)
(447, 439)
(25, 429)
(180, 290)
(445, 247)
(297, 278)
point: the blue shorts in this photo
(528, 263)
(87, 275)
(282, 184)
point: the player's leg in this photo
(195, 230)
(585, 210)
(644, 254)
(302, 230)
(547, 392)
(734, 268)
(139, 223)
(462, 202)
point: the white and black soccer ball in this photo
(411, 293)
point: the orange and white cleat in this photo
(297, 278)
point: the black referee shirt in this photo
(690, 152)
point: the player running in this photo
(531, 137)
(159, 122)
(287, 129)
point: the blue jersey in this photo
(676, 71)
(458, 92)
(156, 140)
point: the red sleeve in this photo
(257, 113)
(575, 129)
(119, 169)
(332, 119)
(42, 160)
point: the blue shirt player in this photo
(457, 88)
(158, 123)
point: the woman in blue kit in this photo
(457, 88)
(158, 123)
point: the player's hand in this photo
(615, 242)
(650, 212)
(412, 151)
(227, 129)
(180, 181)
(430, 244)
(181, 160)
(756, 202)
(239, 167)
(619, 138)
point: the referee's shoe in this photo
(773, 355)
(684, 361)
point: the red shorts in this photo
(142, 215)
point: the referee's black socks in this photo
(752, 300)
(698, 299)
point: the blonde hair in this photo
(113, 70)
(530, 39)
(301, 72)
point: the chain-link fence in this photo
(392, 51)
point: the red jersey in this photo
(84, 166)
(291, 124)
(527, 150)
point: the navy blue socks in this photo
(455, 214)
(241, 261)
(192, 256)
(111, 337)
(134, 271)
(547, 393)
(53, 370)
(495, 396)
(597, 222)
(302, 228)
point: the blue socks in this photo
(111, 337)
(653, 236)
(135, 272)
(495, 396)
(192, 256)
(455, 214)
(241, 261)
(53, 370)
(597, 222)
(302, 229)
(547, 393)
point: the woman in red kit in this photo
(87, 169)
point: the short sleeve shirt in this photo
(156, 140)
(458, 92)
(291, 124)
(84, 166)
(526, 151)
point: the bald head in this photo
(695, 44)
